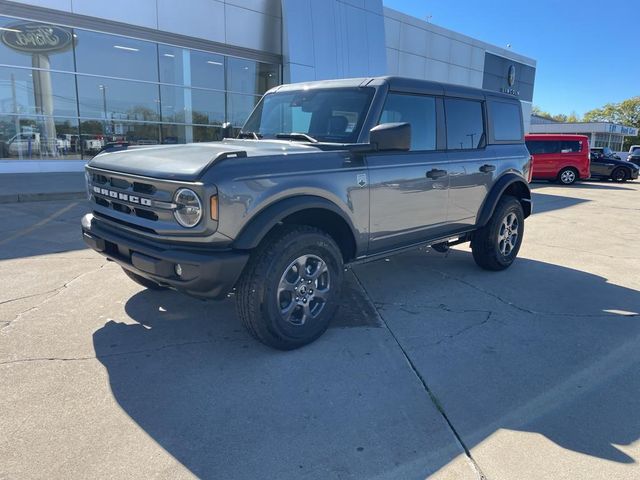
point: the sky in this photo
(587, 51)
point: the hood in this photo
(188, 162)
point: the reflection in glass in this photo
(239, 107)
(118, 99)
(208, 107)
(193, 68)
(207, 70)
(95, 136)
(207, 134)
(115, 56)
(247, 76)
(61, 59)
(26, 138)
(37, 92)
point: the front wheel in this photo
(496, 245)
(291, 287)
(619, 175)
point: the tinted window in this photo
(507, 121)
(110, 99)
(465, 128)
(419, 111)
(572, 146)
(21, 92)
(103, 54)
(27, 35)
(246, 76)
(539, 147)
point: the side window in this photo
(507, 121)
(419, 111)
(570, 146)
(465, 128)
(535, 147)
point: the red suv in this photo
(564, 158)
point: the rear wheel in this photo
(145, 282)
(619, 175)
(567, 176)
(496, 245)
(291, 286)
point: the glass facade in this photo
(65, 93)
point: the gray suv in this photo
(322, 175)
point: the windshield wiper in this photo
(251, 135)
(297, 136)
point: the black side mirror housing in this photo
(391, 136)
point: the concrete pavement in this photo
(534, 371)
(35, 187)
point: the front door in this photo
(408, 194)
(601, 166)
(408, 190)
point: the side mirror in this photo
(391, 136)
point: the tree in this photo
(560, 117)
(625, 113)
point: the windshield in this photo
(327, 115)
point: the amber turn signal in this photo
(214, 207)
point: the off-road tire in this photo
(145, 282)
(619, 175)
(485, 243)
(257, 292)
(567, 176)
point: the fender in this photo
(253, 233)
(507, 181)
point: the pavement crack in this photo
(463, 330)
(108, 355)
(52, 294)
(423, 381)
(4, 302)
(486, 292)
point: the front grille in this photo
(132, 197)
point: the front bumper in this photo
(205, 273)
(634, 174)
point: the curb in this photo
(41, 197)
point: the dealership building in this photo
(76, 75)
(601, 134)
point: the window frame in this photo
(438, 104)
(490, 101)
(483, 109)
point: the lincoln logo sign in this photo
(37, 38)
(511, 76)
(511, 80)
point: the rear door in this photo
(408, 189)
(470, 175)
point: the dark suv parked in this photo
(323, 174)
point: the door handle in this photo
(435, 173)
(487, 168)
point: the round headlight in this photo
(188, 210)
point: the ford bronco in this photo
(322, 175)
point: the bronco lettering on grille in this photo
(123, 196)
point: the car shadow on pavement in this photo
(582, 185)
(560, 359)
(545, 202)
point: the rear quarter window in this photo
(506, 120)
